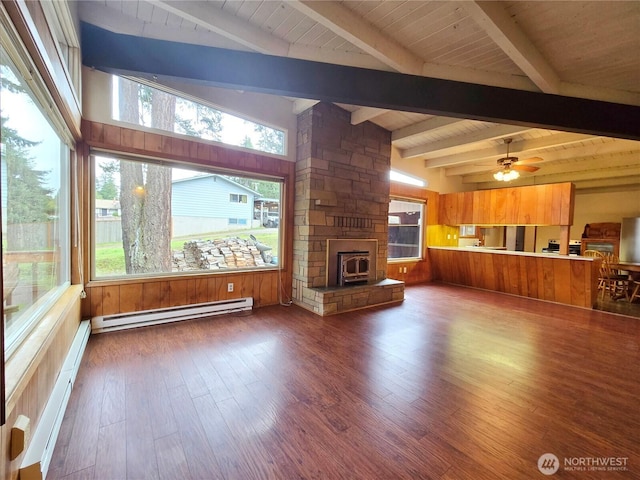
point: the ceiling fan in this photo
(510, 167)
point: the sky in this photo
(30, 123)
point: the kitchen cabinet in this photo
(531, 205)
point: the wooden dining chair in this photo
(601, 277)
(636, 291)
(615, 283)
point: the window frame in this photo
(421, 230)
(37, 90)
(239, 198)
(200, 102)
(118, 155)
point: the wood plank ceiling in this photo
(574, 48)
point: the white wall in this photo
(594, 208)
(436, 180)
(494, 236)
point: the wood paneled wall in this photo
(562, 279)
(533, 205)
(155, 145)
(32, 371)
(107, 297)
(417, 271)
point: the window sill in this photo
(105, 282)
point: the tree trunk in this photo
(145, 194)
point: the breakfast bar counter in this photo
(572, 280)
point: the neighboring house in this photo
(107, 208)
(209, 203)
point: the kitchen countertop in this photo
(493, 250)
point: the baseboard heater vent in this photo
(37, 458)
(122, 321)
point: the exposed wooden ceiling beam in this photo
(589, 157)
(145, 57)
(351, 27)
(219, 21)
(115, 21)
(492, 153)
(629, 183)
(598, 177)
(428, 125)
(460, 143)
(343, 22)
(354, 29)
(496, 22)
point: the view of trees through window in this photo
(151, 107)
(35, 206)
(156, 219)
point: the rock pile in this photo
(227, 253)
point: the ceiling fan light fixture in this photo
(510, 175)
(506, 175)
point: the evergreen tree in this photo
(207, 123)
(263, 187)
(211, 121)
(28, 200)
(106, 188)
(270, 140)
(247, 143)
(145, 188)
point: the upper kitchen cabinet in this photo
(534, 205)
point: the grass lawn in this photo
(109, 257)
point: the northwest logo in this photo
(548, 464)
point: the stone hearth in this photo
(342, 193)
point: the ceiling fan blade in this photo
(530, 160)
(525, 168)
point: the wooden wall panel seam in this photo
(562, 280)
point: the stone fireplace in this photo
(341, 205)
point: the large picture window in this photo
(147, 106)
(35, 207)
(406, 219)
(168, 220)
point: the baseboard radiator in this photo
(122, 321)
(35, 463)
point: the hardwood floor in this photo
(620, 306)
(452, 384)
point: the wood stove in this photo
(353, 267)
